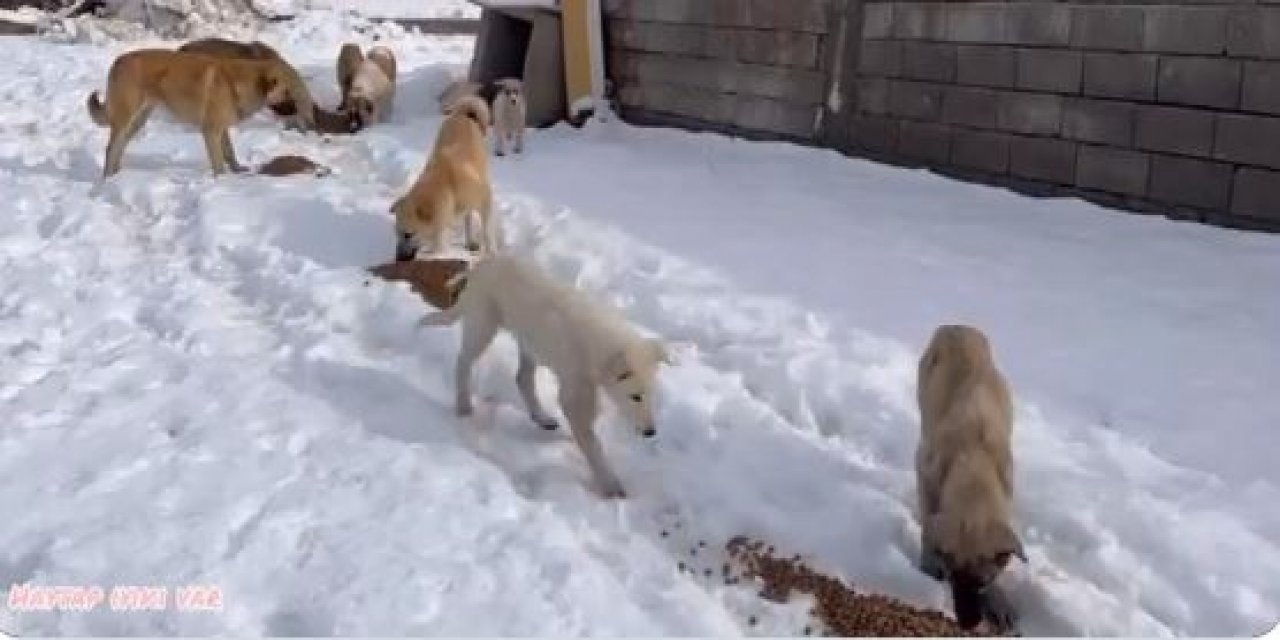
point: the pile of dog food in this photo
(428, 278)
(840, 611)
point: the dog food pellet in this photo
(664, 533)
(839, 609)
(752, 621)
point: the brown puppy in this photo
(211, 93)
(324, 121)
(454, 183)
(373, 88)
(964, 473)
(349, 59)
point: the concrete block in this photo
(972, 106)
(1124, 76)
(931, 61)
(977, 22)
(1039, 23)
(1247, 139)
(1114, 28)
(880, 58)
(1186, 30)
(873, 96)
(915, 100)
(920, 21)
(985, 151)
(773, 47)
(1174, 130)
(1256, 194)
(874, 134)
(1254, 32)
(877, 20)
(1114, 170)
(774, 116)
(1053, 70)
(987, 66)
(1098, 121)
(1203, 82)
(1047, 159)
(1190, 182)
(1261, 91)
(809, 16)
(926, 142)
(1031, 113)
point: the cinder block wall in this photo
(1161, 107)
(751, 67)
(1169, 108)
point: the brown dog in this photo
(324, 121)
(454, 183)
(349, 59)
(211, 93)
(373, 88)
(964, 473)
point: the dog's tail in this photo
(473, 107)
(97, 110)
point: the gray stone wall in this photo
(750, 67)
(1170, 108)
(1147, 106)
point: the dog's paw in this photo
(473, 247)
(612, 489)
(464, 410)
(998, 611)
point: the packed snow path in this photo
(200, 386)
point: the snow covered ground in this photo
(200, 386)
(404, 8)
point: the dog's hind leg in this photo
(526, 381)
(478, 331)
(580, 403)
(119, 138)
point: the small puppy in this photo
(209, 92)
(964, 474)
(373, 88)
(509, 116)
(349, 58)
(590, 348)
(453, 184)
(457, 90)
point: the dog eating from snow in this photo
(964, 474)
(588, 346)
(509, 116)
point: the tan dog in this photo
(211, 93)
(453, 184)
(322, 121)
(964, 473)
(590, 348)
(373, 88)
(509, 116)
(457, 90)
(349, 58)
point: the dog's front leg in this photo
(213, 146)
(478, 331)
(498, 146)
(526, 381)
(519, 144)
(229, 153)
(580, 404)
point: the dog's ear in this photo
(1010, 546)
(617, 368)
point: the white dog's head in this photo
(630, 377)
(510, 90)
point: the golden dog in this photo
(324, 121)
(964, 473)
(373, 88)
(349, 59)
(454, 183)
(211, 93)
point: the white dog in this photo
(589, 347)
(509, 116)
(964, 473)
(373, 88)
